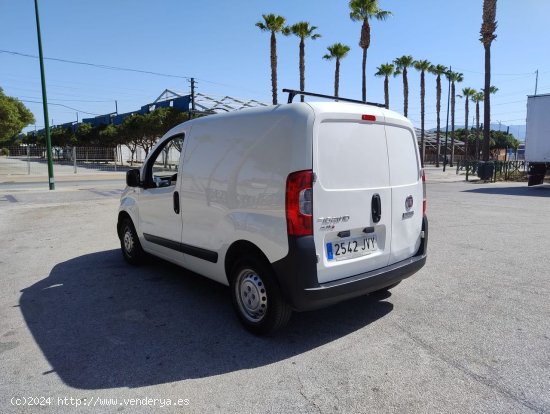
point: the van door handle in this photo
(376, 208)
(176, 202)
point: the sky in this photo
(217, 43)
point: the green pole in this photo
(51, 179)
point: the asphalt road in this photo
(469, 333)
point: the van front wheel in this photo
(129, 242)
(257, 298)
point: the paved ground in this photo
(469, 333)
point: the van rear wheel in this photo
(257, 298)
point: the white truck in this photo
(537, 138)
(295, 207)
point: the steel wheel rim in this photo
(251, 295)
(128, 241)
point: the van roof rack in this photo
(292, 93)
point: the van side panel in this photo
(233, 181)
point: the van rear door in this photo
(352, 198)
(407, 190)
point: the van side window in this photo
(162, 168)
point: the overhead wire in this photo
(58, 104)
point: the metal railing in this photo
(32, 159)
(505, 170)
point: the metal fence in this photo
(503, 170)
(77, 160)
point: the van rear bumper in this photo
(297, 276)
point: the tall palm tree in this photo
(438, 70)
(304, 31)
(273, 24)
(454, 77)
(386, 70)
(487, 32)
(422, 66)
(363, 11)
(401, 65)
(337, 51)
(467, 94)
(477, 98)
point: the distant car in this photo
(295, 207)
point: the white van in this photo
(295, 207)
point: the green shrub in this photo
(4, 152)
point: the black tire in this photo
(129, 243)
(256, 297)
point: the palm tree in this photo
(454, 77)
(273, 24)
(386, 70)
(477, 98)
(438, 70)
(304, 31)
(363, 11)
(487, 32)
(401, 65)
(337, 51)
(467, 94)
(422, 66)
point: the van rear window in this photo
(352, 155)
(404, 167)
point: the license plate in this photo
(348, 249)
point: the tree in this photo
(503, 140)
(499, 140)
(62, 137)
(14, 116)
(174, 117)
(401, 66)
(273, 24)
(363, 11)
(386, 70)
(487, 32)
(304, 31)
(422, 66)
(467, 94)
(477, 98)
(110, 135)
(84, 134)
(131, 133)
(454, 77)
(438, 70)
(337, 51)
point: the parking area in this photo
(469, 333)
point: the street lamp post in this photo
(51, 180)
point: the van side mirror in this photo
(132, 178)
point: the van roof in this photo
(318, 108)
(359, 109)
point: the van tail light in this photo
(370, 118)
(299, 203)
(423, 193)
